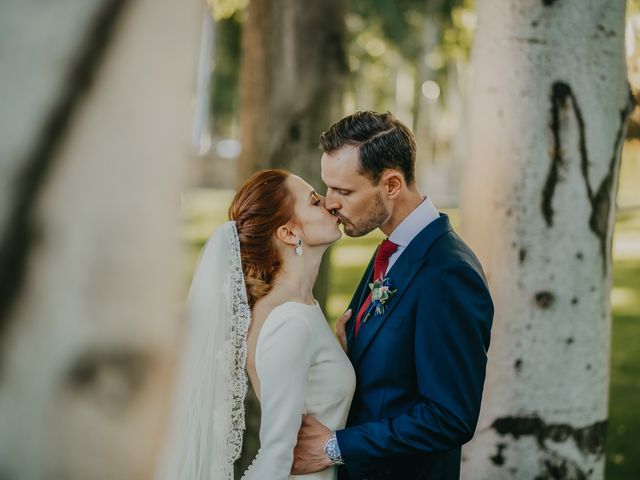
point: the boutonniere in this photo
(381, 294)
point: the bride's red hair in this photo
(262, 204)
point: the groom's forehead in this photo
(341, 165)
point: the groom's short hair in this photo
(382, 140)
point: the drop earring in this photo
(299, 248)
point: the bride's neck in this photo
(298, 275)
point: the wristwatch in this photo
(332, 450)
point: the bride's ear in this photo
(286, 234)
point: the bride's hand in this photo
(340, 329)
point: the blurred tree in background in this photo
(410, 57)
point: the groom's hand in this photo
(309, 456)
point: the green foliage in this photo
(402, 22)
(224, 81)
(223, 9)
(408, 35)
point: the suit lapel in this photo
(401, 275)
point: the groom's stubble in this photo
(375, 217)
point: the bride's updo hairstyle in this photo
(262, 204)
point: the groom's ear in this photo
(393, 182)
(286, 234)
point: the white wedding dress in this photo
(301, 370)
(299, 364)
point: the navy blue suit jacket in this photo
(420, 366)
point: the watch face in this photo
(332, 450)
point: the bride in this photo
(251, 312)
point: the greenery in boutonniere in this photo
(381, 294)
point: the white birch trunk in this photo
(90, 237)
(549, 106)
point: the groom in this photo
(418, 347)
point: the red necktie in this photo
(380, 264)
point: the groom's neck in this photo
(402, 208)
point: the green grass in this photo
(623, 435)
(205, 209)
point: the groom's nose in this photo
(331, 203)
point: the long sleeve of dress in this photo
(283, 357)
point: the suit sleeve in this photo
(452, 332)
(283, 359)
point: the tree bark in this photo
(549, 107)
(89, 237)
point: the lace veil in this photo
(205, 436)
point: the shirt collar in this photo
(414, 223)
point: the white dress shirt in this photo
(410, 227)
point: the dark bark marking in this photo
(589, 439)
(294, 132)
(518, 365)
(544, 299)
(22, 231)
(522, 255)
(561, 469)
(548, 3)
(579, 256)
(553, 176)
(498, 458)
(114, 376)
(588, 367)
(574, 301)
(569, 340)
(600, 201)
(531, 40)
(609, 33)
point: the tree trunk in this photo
(292, 76)
(549, 109)
(90, 265)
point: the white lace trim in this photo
(241, 316)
